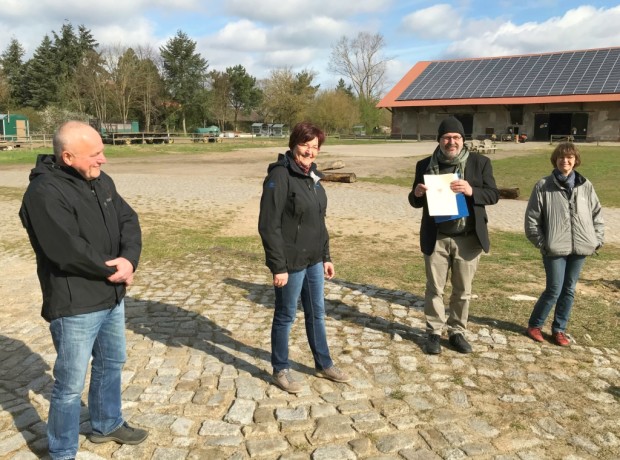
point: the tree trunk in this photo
(509, 193)
(340, 177)
(338, 164)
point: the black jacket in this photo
(479, 174)
(75, 226)
(292, 217)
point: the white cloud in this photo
(441, 21)
(297, 59)
(580, 28)
(140, 33)
(298, 11)
(240, 36)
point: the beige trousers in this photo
(457, 257)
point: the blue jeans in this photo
(100, 334)
(562, 275)
(307, 283)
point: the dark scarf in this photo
(305, 169)
(566, 182)
(458, 161)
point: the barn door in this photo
(541, 127)
(20, 128)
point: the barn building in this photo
(568, 93)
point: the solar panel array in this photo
(555, 74)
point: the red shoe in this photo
(560, 339)
(535, 333)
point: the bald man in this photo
(87, 241)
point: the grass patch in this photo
(11, 193)
(26, 155)
(512, 267)
(172, 239)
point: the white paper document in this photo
(441, 200)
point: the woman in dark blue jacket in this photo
(292, 227)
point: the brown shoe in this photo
(334, 374)
(535, 333)
(560, 339)
(284, 379)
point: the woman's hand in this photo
(280, 279)
(328, 270)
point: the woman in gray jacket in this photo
(564, 220)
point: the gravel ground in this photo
(232, 182)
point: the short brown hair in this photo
(304, 132)
(565, 149)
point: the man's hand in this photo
(461, 186)
(420, 190)
(124, 271)
(280, 279)
(328, 270)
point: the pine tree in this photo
(185, 73)
(40, 84)
(13, 70)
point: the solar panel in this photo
(553, 74)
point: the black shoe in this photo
(124, 434)
(432, 346)
(459, 343)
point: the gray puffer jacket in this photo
(561, 226)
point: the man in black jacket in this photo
(453, 244)
(87, 242)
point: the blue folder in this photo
(461, 207)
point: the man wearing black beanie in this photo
(452, 245)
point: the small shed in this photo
(258, 129)
(276, 130)
(13, 127)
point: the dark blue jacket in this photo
(292, 217)
(75, 226)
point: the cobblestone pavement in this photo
(198, 375)
(198, 378)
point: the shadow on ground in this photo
(177, 327)
(23, 378)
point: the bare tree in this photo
(335, 111)
(151, 84)
(92, 86)
(121, 64)
(219, 83)
(360, 60)
(287, 96)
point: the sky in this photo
(271, 34)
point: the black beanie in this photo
(450, 125)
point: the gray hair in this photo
(62, 136)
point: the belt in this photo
(470, 232)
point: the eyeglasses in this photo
(451, 138)
(315, 148)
